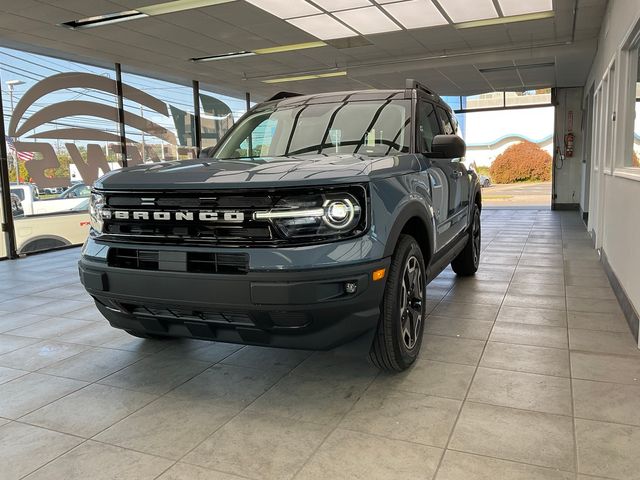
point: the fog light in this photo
(351, 287)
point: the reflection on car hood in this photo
(257, 172)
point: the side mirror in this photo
(448, 146)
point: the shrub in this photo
(522, 162)
(635, 160)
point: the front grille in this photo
(207, 218)
(194, 262)
(246, 232)
(183, 314)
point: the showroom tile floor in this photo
(527, 371)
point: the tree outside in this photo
(521, 162)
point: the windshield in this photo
(373, 128)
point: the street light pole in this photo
(11, 84)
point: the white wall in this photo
(615, 194)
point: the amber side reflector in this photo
(378, 274)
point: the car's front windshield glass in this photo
(373, 128)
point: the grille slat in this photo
(196, 262)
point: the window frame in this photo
(628, 78)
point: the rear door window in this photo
(428, 126)
(447, 126)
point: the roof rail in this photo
(281, 95)
(410, 84)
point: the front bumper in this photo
(307, 309)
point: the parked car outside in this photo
(79, 190)
(32, 204)
(485, 181)
(53, 230)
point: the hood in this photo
(256, 172)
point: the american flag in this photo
(24, 156)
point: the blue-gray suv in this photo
(315, 219)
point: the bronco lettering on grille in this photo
(202, 216)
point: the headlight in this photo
(96, 205)
(324, 214)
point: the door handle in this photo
(456, 174)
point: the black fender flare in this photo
(410, 210)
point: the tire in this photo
(398, 337)
(149, 336)
(468, 260)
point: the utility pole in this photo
(143, 145)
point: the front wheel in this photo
(399, 334)
(468, 260)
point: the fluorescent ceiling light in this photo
(223, 56)
(323, 27)
(106, 19)
(522, 7)
(469, 10)
(503, 20)
(528, 66)
(337, 5)
(416, 14)
(260, 51)
(178, 6)
(289, 48)
(141, 12)
(368, 20)
(286, 8)
(305, 77)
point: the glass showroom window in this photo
(60, 118)
(635, 154)
(159, 120)
(541, 96)
(628, 114)
(217, 115)
(484, 100)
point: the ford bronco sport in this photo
(317, 218)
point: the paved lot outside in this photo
(517, 194)
(527, 372)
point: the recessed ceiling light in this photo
(286, 8)
(367, 21)
(467, 11)
(520, 7)
(416, 14)
(337, 5)
(289, 48)
(503, 20)
(223, 56)
(323, 27)
(305, 77)
(178, 6)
